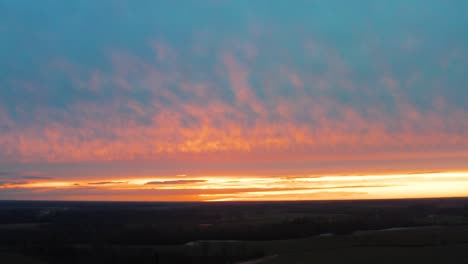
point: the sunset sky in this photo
(219, 100)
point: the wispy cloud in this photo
(25, 175)
(174, 182)
(106, 182)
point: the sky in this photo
(220, 100)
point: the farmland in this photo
(384, 231)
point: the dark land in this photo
(383, 231)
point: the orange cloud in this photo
(304, 125)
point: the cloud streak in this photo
(105, 183)
(174, 182)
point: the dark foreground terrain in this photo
(385, 231)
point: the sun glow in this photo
(254, 188)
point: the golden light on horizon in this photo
(268, 188)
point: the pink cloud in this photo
(206, 127)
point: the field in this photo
(17, 259)
(392, 231)
(418, 245)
